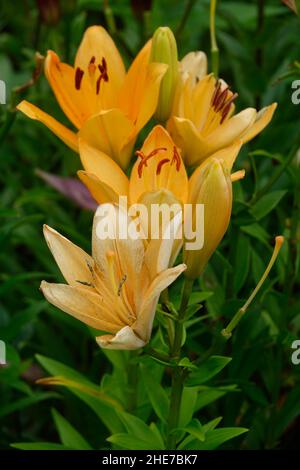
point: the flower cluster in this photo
(187, 158)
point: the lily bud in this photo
(211, 186)
(164, 50)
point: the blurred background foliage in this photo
(260, 388)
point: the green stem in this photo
(214, 51)
(186, 14)
(132, 382)
(187, 289)
(174, 410)
(177, 372)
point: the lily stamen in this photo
(78, 77)
(160, 165)
(110, 256)
(103, 74)
(123, 280)
(144, 158)
(176, 158)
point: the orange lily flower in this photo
(106, 105)
(203, 119)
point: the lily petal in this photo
(140, 91)
(109, 131)
(193, 147)
(194, 65)
(124, 339)
(100, 191)
(97, 163)
(98, 45)
(72, 261)
(231, 130)
(229, 154)
(263, 118)
(128, 249)
(66, 135)
(81, 304)
(144, 322)
(77, 104)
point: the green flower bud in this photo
(164, 50)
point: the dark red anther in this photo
(103, 74)
(160, 165)
(220, 100)
(144, 158)
(93, 60)
(78, 77)
(227, 107)
(176, 158)
(216, 93)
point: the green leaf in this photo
(185, 362)
(213, 438)
(104, 408)
(188, 402)
(195, 429)
(207, 370)
(39, 446)
(139, 436)
(198, 297)
(266, 204)
(257, 232)
(216, 437)
(202, 430)
(156, 393)
(128, 442)
(69, 436)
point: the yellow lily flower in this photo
(159, 170)
(106, 105)
(211, 186)
(203, 119)
(117, 288)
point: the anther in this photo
(121, 284)
(160, 165)
(78, 77)
(144, 158)
(84, 283)
(176, 158)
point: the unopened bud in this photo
(164, 50)
(211, 186)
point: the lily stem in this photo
(214, 50)
(178, 374)
(132, 378)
